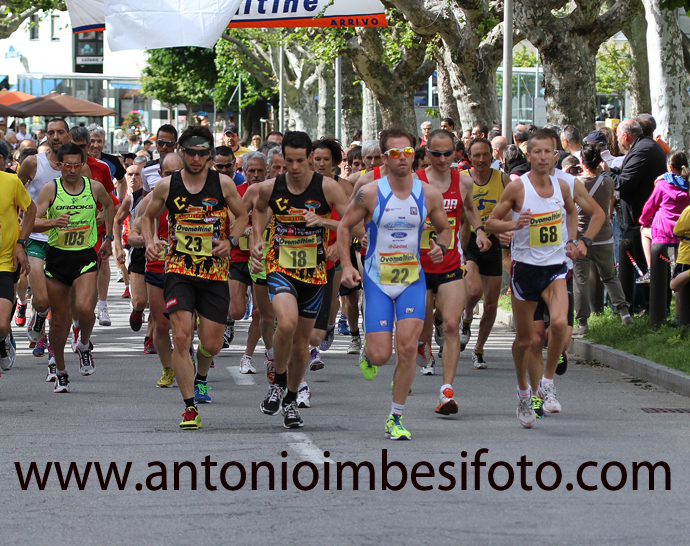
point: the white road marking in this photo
(307, 450)
(240, 378)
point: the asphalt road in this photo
(118, 415)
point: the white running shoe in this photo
(429, 369)
(103, 316)
(465, 332)
(315, 362)
(246, 365)
(304, 397)
(52, 372)
(61, 382)
(36, 328)
(86, 364)
(525, 412)
(478, 361)
(8, 352)
(548, 394)
(355, 346)
(424, 356)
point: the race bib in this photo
(297, 252)
(429, 232)
(398, 268)
(545, 229)
(194, 239)
(73, 237)
(243, 242)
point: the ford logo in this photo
(399, 235)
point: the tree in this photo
(568, 36)
(613, 69)
(14, 12)
(179, 75)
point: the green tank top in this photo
(81, 231)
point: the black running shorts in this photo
(210, 299)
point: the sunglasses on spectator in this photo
(447, 153)
(168, 143)
(395, 152)
(191, 152)
(223, 166)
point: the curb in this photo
(658, 374)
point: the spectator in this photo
(26, 143)
(514, 162)
(420, 159)
(570, 140)
(571, 165)
(22, 134)
(461, 162)
(449, 125)
(644, 162)
(133, 142)
(147, 147)
(681, 273)
(231, 139)
(11, 138)
(498, 146)
(520, 136)
(663, 208)
(466, 137)
(600, 253)
(480, 131)
(256, 142)
(426, 131)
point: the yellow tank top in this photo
(486, 197)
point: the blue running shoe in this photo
(343, 328)
(40, 348)
(249, 309)
(328, 340)
(201, 395)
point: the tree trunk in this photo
(667, 77)
(251, 118)
(351, 115)
(447, 103)
(636, 33)
(326, 106)
(302, 111)
(372, 123)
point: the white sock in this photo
(81, 345)
(625, 316)
(44, 313)
(102, 303)
(446, 386)
(269, 353)
(397, 408)
(75, 323)
(302, 384)
(331, 326)
(526, 392)
(545, 381)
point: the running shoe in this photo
(191, 419)
(51, 356)
(355, 346)
(126, 295)
(447, 404)
(328, 340)
(52, 372)
(120, 278)
(395, 430)
(40, 348)
(167, 378)
(248, 312)
(292, 417)
(304, 397)
(149, 349)
(270, 369)
(424, 356)
(369, 371)
(439, 337)
(75, 337)
(20, 315)
(229, 333)
(86, 364)
(548, 394)
(644, 279)
(429, 369)
(315, 362)
(343, 328)
(525, 412)
(36, 328)
(465, 333)
(478, 360)
(246, 365)
(61, 382)
(273, 401)
(562, 364)
(627, 320)
(103, 316)
(201, 395)
(440, 352)
(8, 352)
(581, 330)
(538, 406)
(136, 319)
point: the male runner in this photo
(484, 270)
(445, 280)
(295, 204)
(275, 162)
(543, 215)
(393, 210)
(166, 143)
(198, 200)
(13, 260)
(71, 264)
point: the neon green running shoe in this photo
(190, 419)
(369, 371)
(395, 429)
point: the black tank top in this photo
(295, 249)
(195, 220)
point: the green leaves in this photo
(614, 63)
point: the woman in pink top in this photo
(663, 208)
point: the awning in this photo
(116, 85)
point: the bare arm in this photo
(497, 222)
(260, 218)
(148, 228)
(358, 210)
(439, 219)
(120, 217)
(571, 220)
(27, 170)
(236, 206)
(104, 199)
(45, 199)
(472, 214)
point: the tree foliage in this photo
(613, 68)
(14, 12)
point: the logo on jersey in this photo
(399, 235)
(413, 211)
(397, 246)
(210, 219)
(383, 323)
(409, 310)
(312, 205)
(280, 201)
(180, 202)
(209, 202)
(170, 303)
(450, 204)
(399, 224)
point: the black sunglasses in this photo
(223, 166)
(192, 152)
(168, 143)
(447, 153)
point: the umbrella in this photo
(54, 104)
(12, 97)
(9, 110)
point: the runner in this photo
(71, 264)
(394, 210)
(196, 264)
(13, 259)
(166, 143)
(543, 204)
(444, 280)
(483, 270)
(295, 204)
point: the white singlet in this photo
(44, 174)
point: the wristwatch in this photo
(480, 227)
(108, 237)
(233, 241)
(21, 242)
(574, 241)
(587, 241)
(443, 249)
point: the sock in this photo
(331, 326)
(189, 403)
(420, 344)
(479, 351)
(289, 397)
(303, 384)
(446, 386)
(200, 377)
(269, 353)
(82, 346)
(466, 321)
(102, 304)
(625, 316)
(526, 392)
(44, 314)
(281, 379)
(545, 381)
(75, 323)
(397, 409)
(354, 334)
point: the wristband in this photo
(443, 249)
(108, 238)
(480, 227)
(21, 242)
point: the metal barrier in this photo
(626, 271)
